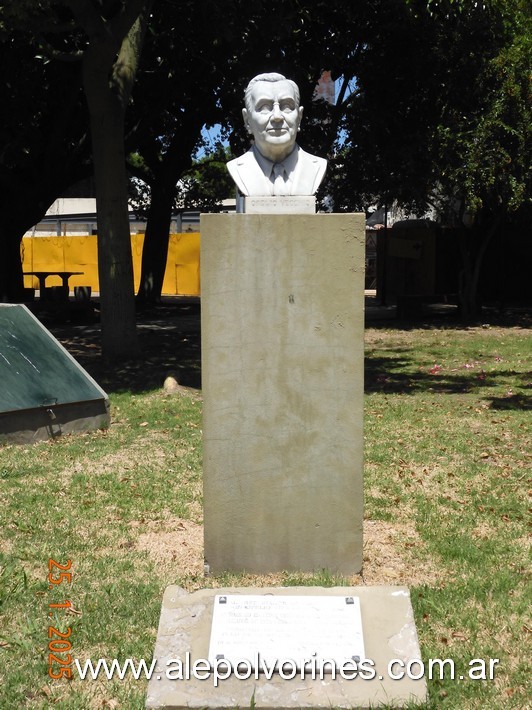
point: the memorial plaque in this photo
(308, 630)
(294, 204)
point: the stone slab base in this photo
(389, 636)
(282, 306)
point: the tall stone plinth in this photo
(282, 376)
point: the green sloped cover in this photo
(35, 370)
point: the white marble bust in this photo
(275, 164)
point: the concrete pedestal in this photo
(282, 378)
(390, 642)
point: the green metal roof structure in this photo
(44, 392)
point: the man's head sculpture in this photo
(275, 165)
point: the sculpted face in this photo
(273, 118)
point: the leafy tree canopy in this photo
(442, 109)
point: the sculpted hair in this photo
(273, 76)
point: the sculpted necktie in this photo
(279, 180)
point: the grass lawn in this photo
(447, 477)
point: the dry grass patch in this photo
(393, 554)
(154, 449)
(173, 544)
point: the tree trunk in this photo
(11, 280)
(115, 264)
(23, 206)
(472, 259)
(155, 249)
(109, 68)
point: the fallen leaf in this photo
(459, 635)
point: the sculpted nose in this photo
(276, 113)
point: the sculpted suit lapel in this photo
(248, 175)
(308, 173)
(250, 180)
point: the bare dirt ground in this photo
(177, 547)
(169, 337)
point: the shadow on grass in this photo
(170, 338)
(511, 402)
(396, 375)
(170, 344)
(384, 318)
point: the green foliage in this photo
(44, 143)
(208, 182)
(441, 119)
(202, 187)
(433, 109)
(442, 110)
(446, 6)
(484, 154)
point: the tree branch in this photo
(126, 65)
(121, 24)
(343, 90)
(87, 17)
(53, 53)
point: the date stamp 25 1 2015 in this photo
(59, 644)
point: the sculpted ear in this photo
(300, 112)
(245, 117)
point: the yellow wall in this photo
(80, 253)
